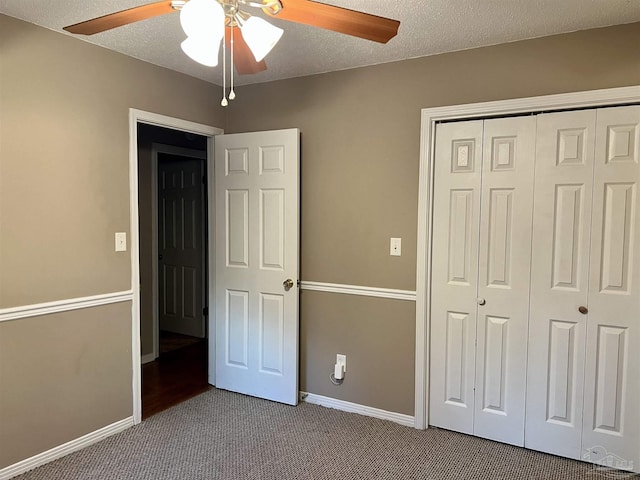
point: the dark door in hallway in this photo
(181, 256)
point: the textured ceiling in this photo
(427, 28)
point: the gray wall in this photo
(360, 154)
(62, 376)
(64, 192)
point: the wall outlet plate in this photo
(395, 247)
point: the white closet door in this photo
(503, 278)
(559, 281)
(611, 429)
(458, 163)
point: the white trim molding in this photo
(401, 418)
(430, 117)
(359, 290)
(64, 449)
(38, 309)
(135, 117)
(148, 358)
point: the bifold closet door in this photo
(583, 387)
(456, 216)
(480, 276)
(503, 278)
(611, 426)
(559, 281)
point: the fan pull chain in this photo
(224, 101)
(232, 93)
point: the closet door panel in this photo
(457, 171)
(611, 427)
(503, 273)
(559, 281)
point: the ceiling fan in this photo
(243, 49)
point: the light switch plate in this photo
(121, 241)
(395, 248)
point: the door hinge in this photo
(205, 311)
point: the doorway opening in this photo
(137, 118)
(172, 213)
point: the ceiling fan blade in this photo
(338, 19)
(243, 59)
(118, 19)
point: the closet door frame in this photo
(430, 117)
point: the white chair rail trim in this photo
(359, 290)
(47, 308)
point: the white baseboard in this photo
(149, 357)
(401, 418)
(64, 449)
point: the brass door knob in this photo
(287, 284)
(583, 310)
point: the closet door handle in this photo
(583, 310)
(481, 301)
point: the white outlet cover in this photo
(395, 247)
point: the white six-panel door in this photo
(480, 276)
(583, 393)
(559, 281)
(503, 278)
(566, 290)
(181, 244)
(256, 237)
(611, 421)
(456, 217)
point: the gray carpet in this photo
(222, 435)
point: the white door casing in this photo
(135, 117)
(611, 426)
(503, 278)
(257, 218)
(559, 281)
(456, 217)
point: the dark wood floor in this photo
(174, 377)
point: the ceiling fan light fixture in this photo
(260, 36)
(202, 50)
(202, 19)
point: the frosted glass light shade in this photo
(260, 36)
(202, 18)
(202, 50)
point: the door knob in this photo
(287, 284)
(481, 301)
(160, 257)
(583, 310)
